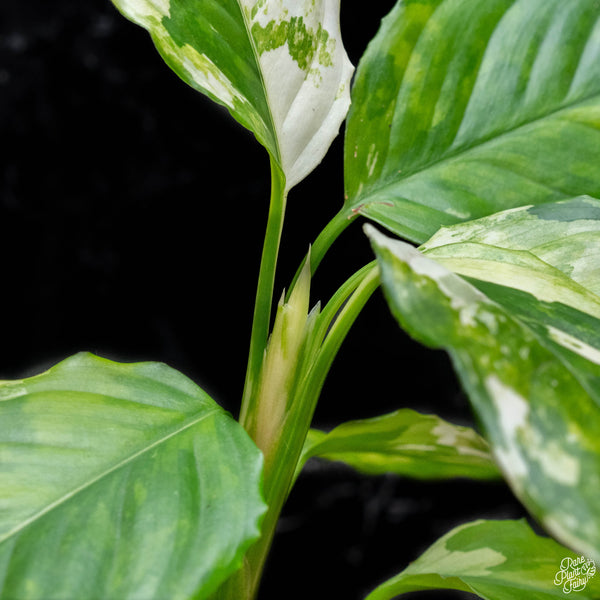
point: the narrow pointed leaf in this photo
(464, 108)
(405, 443)
(541, 419)
(278, 66)
(497, 560)
(121, 481)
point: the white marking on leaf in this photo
(456, 563)
(12, 389)
(513, 411)
(575, 345)
(460, 214)
(206, 74)
(307, 83)
(557, 464)
(417, 447)
(143, 11)
(372, 159)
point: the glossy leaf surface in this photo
(121, 481)
(279, 66)
(541, 417)
(405, 443)
(464, 108)
(497, 560)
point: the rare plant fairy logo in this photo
(574, 573)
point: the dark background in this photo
(131, 220)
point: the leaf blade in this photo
(539, 419)
(497, 560)
(122, 452)
(405, 443)
(278, 67)
(453, 101)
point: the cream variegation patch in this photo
(575, 345)
(145, 11)
(306, 74)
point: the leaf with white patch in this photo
(541, 263)
(463, 108)
(539, 415)
(121, 481)
(497, 560)
(405, 443)
(279, 66)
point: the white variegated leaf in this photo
(497, 560)
(406, 443)
(530, 370)
(542, 264)
(563, 235)
(279, 66)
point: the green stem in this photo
(280, 465)
(264, 292)
(325, 239)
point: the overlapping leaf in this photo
(543, 264)
(405, 443)
(464, 108)
(121, 481)
(279, 66)
(497, 560)
(534, 388)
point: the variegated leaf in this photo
(540, 416)
(563, 235)
(543, 264)
(405, 443)
(463, 108)
(279, 66)
(497, 560)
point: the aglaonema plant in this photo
(473, 131)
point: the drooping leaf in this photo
(541, 419)
(464, 108)
(497, 560)
(278, 66)
(405, 443)
(121, 481)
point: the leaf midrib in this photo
(264, 87)
(190, 422)
(461, 151)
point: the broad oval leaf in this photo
(406, 443)
(279, 66)
(464, 108)
(497, 560)
(121, 481)
(541, 417)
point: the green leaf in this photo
(405, 443)
(279, 67)
(121, 481)
(497, 560)
(464, 108)
(541, 418)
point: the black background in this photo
(132, 212)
